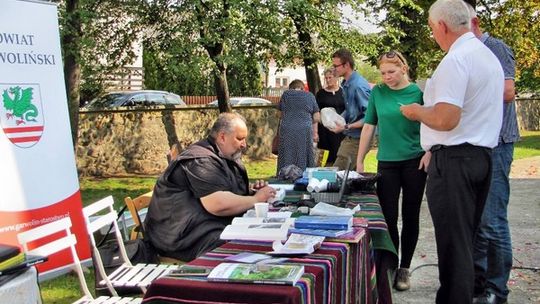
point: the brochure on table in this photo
(258, 232)
(256, 273)
(297, 244)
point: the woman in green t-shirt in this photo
(401, 160)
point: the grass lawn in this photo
(66, 288)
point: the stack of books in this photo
(10, 256)
(13, 261)
(328, 226)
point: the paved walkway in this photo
(524, 216)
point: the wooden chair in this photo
(64, 240)
(127, 275)
(134, 206)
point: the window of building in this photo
(282, 82)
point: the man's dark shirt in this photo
(177, 223)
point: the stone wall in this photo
(136, 142)
(528, 113)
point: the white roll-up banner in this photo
(38, 175)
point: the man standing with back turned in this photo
(492, 245)
(356, 93)
(461, 119)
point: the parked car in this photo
(134, 98)
(244, 101)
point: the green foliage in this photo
(370, 73)
(518, 24)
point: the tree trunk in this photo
(72, 69)
(222, 89)
(310, 62)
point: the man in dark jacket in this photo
(201, 191)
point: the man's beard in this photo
(238, 154)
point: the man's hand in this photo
(411, 111)
(258, 184)
(265, 193)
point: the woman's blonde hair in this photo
(396, 58)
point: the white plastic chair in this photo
(127, 275)
(63, 242)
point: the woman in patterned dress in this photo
(330, 96)
(298, 131)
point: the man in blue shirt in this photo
(356, 91)
(493, 246)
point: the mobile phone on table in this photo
(187, 270)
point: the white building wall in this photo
(282, 78)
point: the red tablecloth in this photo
(335, 273)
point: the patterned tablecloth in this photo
(335, 273)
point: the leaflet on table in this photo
(320, 232)
(251, 213)
(297, 244)
(360, 222)
(353, 236)
(258, 232)
(323, 222)
(286, 187)
(331, 210)
(261, 220)
(256, 273)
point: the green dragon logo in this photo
(18, 104)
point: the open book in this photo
(256, 273)
(258, 232)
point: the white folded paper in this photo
(331, 210)
(280, 195)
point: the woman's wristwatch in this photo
(346, 126)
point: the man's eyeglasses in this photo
(337, 65)
(393, 54)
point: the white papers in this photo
(280, 195)
(331, 210)
(352, 174)
(258, 232)
(286, 187)
(260, 220)
(297, 244)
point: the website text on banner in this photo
(38, 177)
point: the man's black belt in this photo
(435, 148)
